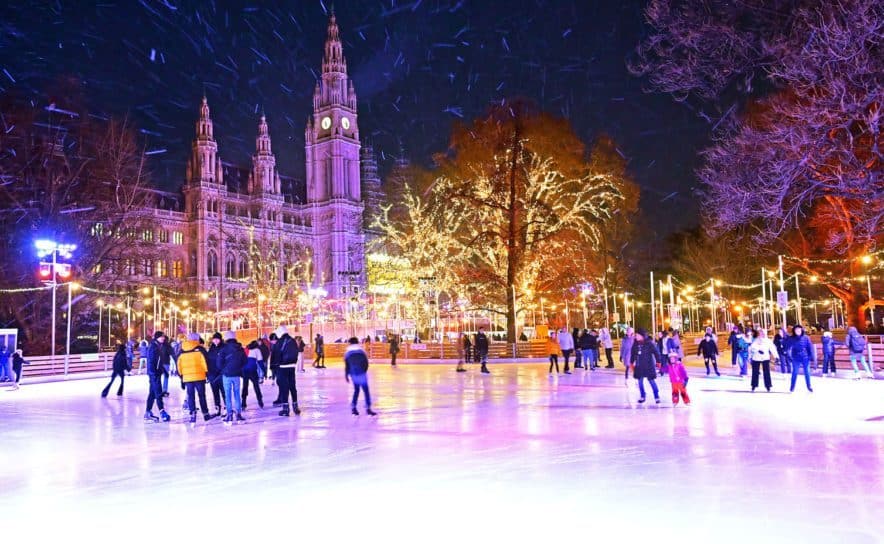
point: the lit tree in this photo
(798, 167)
(513, 193)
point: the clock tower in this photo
(333, 176)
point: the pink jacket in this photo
(677, 373)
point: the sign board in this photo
(419, 347)
(615, 317)
(782, 299)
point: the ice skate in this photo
(296, 410)
(354, 411)
(228, 421)
(148, 416)
(284, 412)
(371, 412)
(165, 416)
(193, 417)
(239, 418)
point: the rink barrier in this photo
(379, 351)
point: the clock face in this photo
(326, 123)
(345, 123)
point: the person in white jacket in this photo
(761, 351)
(566, 343)
(606, 341)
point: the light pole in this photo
(67, 351)
(100, 304)
(48, 247)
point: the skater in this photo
(6, 372)
(588, 346)
(732, 343)
(626, 351)
(552, 344)
(158, 356)
(285, 351)
(214, 372)
(644, 360)
(857, 347)
(301, 345)
(120, 366)
(264, 348)
(319, 348)
(829, 345)
(801, 353)
(675, 351)
(741, 346)
(663, 346)
(482, 349)
(233, 360)
(761, 352)
(250, 374)
(356, 369)
(708, 348)
(130, 354)
(566, 344)
(143, 347)
(193, 367)
(17, 363)
(578, 354)
(461, 351)
(394, 348)
(678, 376)
(781, 341)
(467, 349)
(608, 343)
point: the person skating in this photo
(553, 347)
(608, 343)
(578, 354)
(461, 352)
(566, 344)
(741, 346)
(829, 345)
(356, 370)
(644, 360)
(482, 346)
(781, 341)
(286, 352)
(467, 349)
(857, 347)
(214, 372)
(394, 348)
(301, 345)
(626, 351)
(193, 367)
(17, 365)
(678, 376)
(233, 360)
(708, 348)
(674, 351)
(801, 353)
(588, 346)
(761, 352)
(319, 348)
(732, 343)
(663, 346)
(158, 358)
(250, 374)
(120, 366)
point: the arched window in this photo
(243, 267)
(231, 267)
(212, 264)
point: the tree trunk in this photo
(512, 249)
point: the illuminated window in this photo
(163, 236)
(231, 267)
(97, 230)
(178, 238)
(131, 267)
(177, 269)
(147, 235)
(148, 267)
(212, 265)
(161, 268)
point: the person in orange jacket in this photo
(554, 350)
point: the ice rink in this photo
(518, 456)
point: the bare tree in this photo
(804, 151)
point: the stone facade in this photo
(316, 226)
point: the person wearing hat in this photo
(801, 353)
(158, 357)
(644, 360)
(193, 366)
(120, 365)
(214, 372)
(829, 345)
(285, 353)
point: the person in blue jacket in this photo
(356, 369)
(829, 345)
(801, 352)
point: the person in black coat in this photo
(159, 356)
(482, 346)
(578, 354)
(644, 359)
(709, 350)
(214, 373)
(285, 354)
(120, 366)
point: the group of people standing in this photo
(586, 347)
(11, 363)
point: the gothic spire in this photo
(262, 142)
(204, 124)
(333, 61)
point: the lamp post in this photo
(49, 247)
(67, 351)
(100, 304)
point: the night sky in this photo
(417, 67)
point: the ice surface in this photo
(517, 456)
